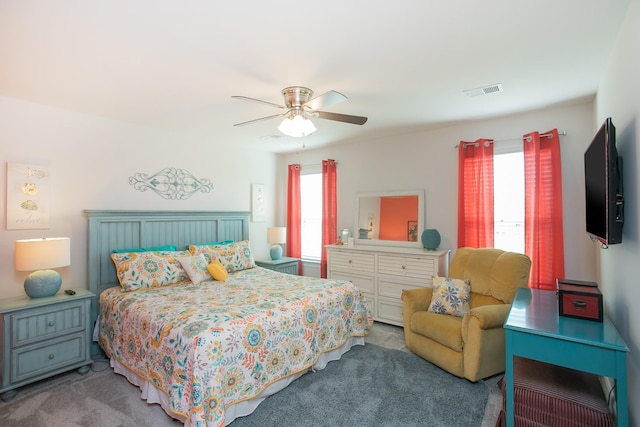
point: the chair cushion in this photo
(442, 328)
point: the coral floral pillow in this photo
(450, 296)
(235, 257)
(139, 270)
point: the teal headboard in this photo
(109, 230)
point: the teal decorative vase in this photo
(276, 252)
(42, 283)
(431, 239)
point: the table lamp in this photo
(39, 256)
(276, 236)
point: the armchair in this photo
(472, 346)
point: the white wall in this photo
(90, 161)
(619, 98)
(428, 160)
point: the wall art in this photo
(171, 183)
(28, 196)
(257, 203)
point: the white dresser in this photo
(382, 272)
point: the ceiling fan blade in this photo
(356, 120)
(246, 98)
(260, 119)
(328, 98)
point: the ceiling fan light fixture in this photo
(297, 126)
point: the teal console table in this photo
(534, 330)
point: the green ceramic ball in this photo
(42, 283)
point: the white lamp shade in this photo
(277, 235)
(297, 126)
(40, 254)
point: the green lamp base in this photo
(42, 283)
(276, 252)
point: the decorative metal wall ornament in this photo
(171, 183)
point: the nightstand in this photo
(282, 265)
(42, 337)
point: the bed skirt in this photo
(154, 395)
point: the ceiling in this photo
(406, 65)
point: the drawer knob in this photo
(52, 356)
(52, 323)
(350, 261)
(404, 267)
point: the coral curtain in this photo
(329, 210)
(475, 193)
(294, 215)
(543, 241)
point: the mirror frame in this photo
(421, 210)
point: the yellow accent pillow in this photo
(217, 270)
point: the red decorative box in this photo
(579, 299)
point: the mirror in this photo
(393, 218)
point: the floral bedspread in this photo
(211, 345)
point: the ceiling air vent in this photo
(484, 90)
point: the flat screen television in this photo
(603, 187)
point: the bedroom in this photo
(92, 157)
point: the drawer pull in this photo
(404, 267)
(350, 261)
(52, 323)
(52, 356)
(579, 304)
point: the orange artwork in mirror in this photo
(395, 215)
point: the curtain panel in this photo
(475, 193)
(294, 214)
(329, 210)
(544, 239)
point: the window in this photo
(311, 212)
(508, 197)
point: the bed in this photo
(209, 351)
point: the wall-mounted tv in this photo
(603, 187)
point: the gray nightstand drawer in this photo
(38, 359)
(47, 322)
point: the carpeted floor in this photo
(102, 398)
(374, 386)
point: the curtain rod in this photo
(315, 165)
(544, 135)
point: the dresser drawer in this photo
(392, 287)
(38, 359)
(352, 261)
(364, 283)
(417, 268)
(31, 326)
(390, 311)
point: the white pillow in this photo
(196, 267)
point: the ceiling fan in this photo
(299, 106)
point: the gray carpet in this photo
(370, 386)
(374, 386)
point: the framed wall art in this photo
(257, 203)
(28, 196)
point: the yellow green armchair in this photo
(472, 346)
